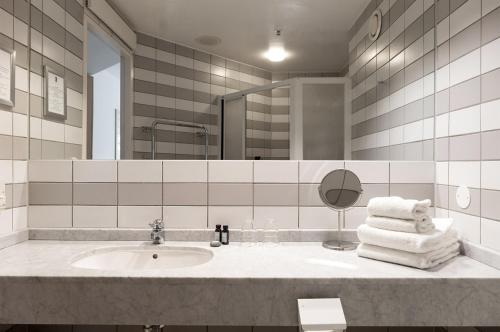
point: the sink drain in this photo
(155, 256)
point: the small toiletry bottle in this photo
(218, 233)
(225, 235)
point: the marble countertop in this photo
(251, 286)
(287, 260)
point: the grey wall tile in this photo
(441, 196)
(185, 194)
(489, 85)
(475, 201)
(490, 149)
(371, 190)
(139, 194)
(230, 194)
(489, 204)
(413, 190)
(95, 194)
(276, 194)
(442, 149)
(465, 94)
(490, 27)
(466, 147)
(44, 193)
(465, 41)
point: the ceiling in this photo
(315, 32)
(100, 55)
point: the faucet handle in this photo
(157, 224)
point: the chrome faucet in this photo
(157, 235)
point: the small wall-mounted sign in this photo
(55, 94)
(7, 76)
(375, 24)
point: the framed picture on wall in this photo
(55, 94)
(7, 76)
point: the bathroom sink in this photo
(142, 258)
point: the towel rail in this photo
(155, 124)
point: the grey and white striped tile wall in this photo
(393, 82)
(56, 40)
(467, 115)
(179, 83)
(14, 22)
(466, 49)
(195, 194)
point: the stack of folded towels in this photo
(400, 231)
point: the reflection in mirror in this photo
(339, 190)
(329, 97)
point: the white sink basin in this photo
(142, 258)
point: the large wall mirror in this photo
(145, 86)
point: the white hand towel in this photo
(421, 261)
(422, 225)
(441, 237)
(397, 207)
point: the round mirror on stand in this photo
(339, 190)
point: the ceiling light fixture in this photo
(276, 51)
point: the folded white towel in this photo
(397, 207)
(421, 261)
(440, 237)
(421, 225)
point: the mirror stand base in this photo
(340, 245)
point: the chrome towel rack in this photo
(154, 125)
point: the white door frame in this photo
(296, 134)
(92, 23)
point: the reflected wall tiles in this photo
(200, 194)
(13, 120)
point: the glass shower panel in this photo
(323, 121)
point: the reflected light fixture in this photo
(276, 51)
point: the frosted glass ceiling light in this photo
(276, 51)
(276, 54)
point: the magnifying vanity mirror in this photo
(339, 190)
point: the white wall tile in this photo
(313, 171)
(443, 78)
(234, 216)
(413, 132)
(50, 170)
(467, 226)
(465, 173)
(443, 31)
(230, 171)
(490, 233)
(442, 125)
(464, 121)
(5, 221)
(5, 123)
(412, 172)
(442, 171)
(95, 171)
(5, 171)
(370, 171)
(20, 171)
(21, 79)
(285, 217)
(6, 23)
(50, 216)
(490, 115)
(52, 131)
(138, 216)
(19, 218)
(276, 171)
(139, 171)
(490, 175)
(95, 216)
(185, 217)
(317, 217)
(184, 171)
(490, 58)
(489, 5)
(466, 67)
